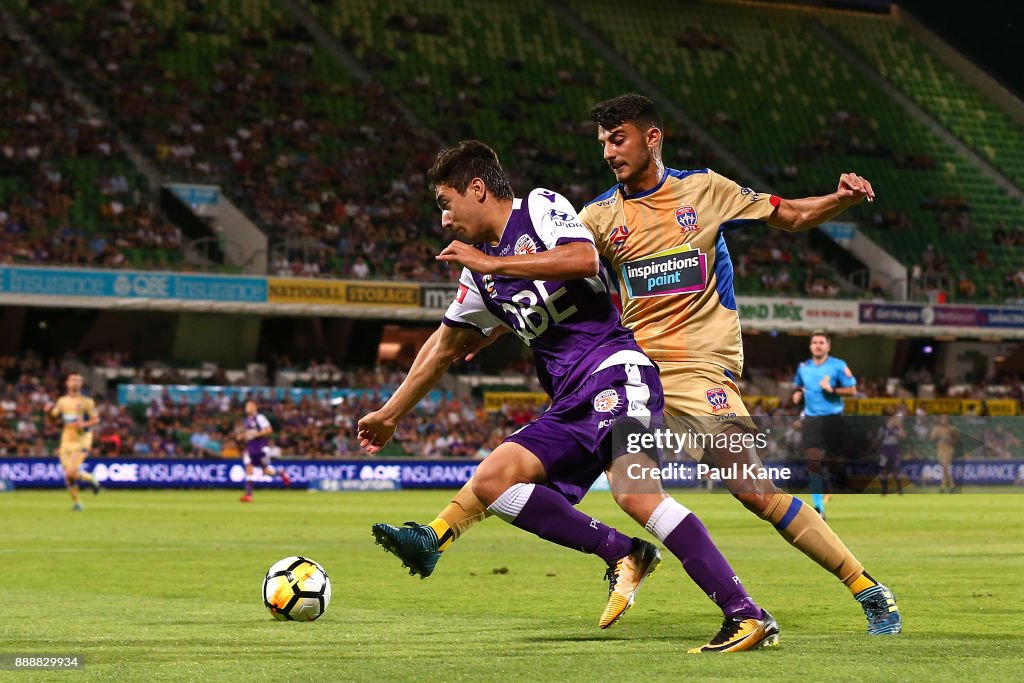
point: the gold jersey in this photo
(71, 410)
(669, 254)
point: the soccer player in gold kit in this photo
(78, 413)
(662, 230)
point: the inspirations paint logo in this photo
(679, 270)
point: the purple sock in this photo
(709, 569)
(248, 487)
(548, 514)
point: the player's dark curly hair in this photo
(631, 108)
(457, 166)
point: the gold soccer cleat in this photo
(625, 578)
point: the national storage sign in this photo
(288, 290)
(342, 292)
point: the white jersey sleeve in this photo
(262, 422)
(555, 219)
(468, 309)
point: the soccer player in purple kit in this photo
(257, 432)
(535, 271)
(889, 437)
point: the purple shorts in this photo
(574, 437)
(889, 459)
(256, 457)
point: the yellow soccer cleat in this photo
(738, 635)
(625, 578)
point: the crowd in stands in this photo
(313, 425)
(328, 166)
(50, 211)
(781, 264)
(310, 426)
(847, 133)
(339, 192)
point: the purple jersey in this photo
(889, 437)
(256, 423)
(571, 326)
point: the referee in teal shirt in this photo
(821, 383)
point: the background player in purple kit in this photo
(535, 271)
(889, 436)
(257, 433)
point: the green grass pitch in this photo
(166, 585)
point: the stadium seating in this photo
(237, 94)
(510, 74)
(956, 104)
(67, 192)
(519, 79)
(233, 91)
(742, 70)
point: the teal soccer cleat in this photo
(880, 608)
(414, 544)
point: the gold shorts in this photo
(74, 452)
(945, 456)
(697, 389)
(701, 399)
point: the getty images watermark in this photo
(851, 453)
(674, 443)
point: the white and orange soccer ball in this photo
(296, 589)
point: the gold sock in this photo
(445, 536)
(458, 516)
(806, 530)
(861, 583)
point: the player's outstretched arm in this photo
(442, 348)
(796, 215)
(568, 261)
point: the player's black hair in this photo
(821, 333)
(630, 108)
(457, 166)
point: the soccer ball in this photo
(296, 589)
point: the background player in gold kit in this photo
(662, 231)
(78, 413)
(945, 437)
